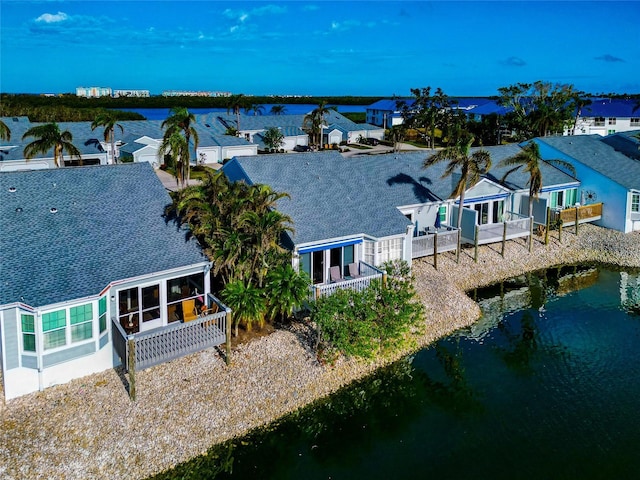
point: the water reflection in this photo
(546, 387)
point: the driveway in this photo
(169, 181)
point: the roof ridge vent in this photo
(12, 189)
(53, 210)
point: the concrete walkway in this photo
(169, 181)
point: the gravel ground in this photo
(89, 428)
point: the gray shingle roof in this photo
(109, 226)
(625, 142)
(591, 151)
(332, 196)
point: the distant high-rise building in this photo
(194, 93)
(93, 92)
(131, 93)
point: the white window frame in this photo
(635, 203)
(69, 342)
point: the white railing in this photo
(425, 244)
(368, 274)
(517, 226)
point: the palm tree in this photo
(273, 138)
(109, 121)
(256, 108)
(176, 148)
(471, 166)
(314, 121)
(278, 110)
(247, 303)
(181, 120)
(529, 160)
(49, 136)
(5, 132)
(235, 104)
(286, 289)
(396, 134)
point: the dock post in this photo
(435, 251)
(227, 333)
(546, 232)
(530, 234)
(475, 255)
(131, 366)
(504, 237)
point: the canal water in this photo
(545, 385)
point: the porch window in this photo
(179, 289)
(81, 319)
(389, 250)
(54, 329)
(28, 333)
(635, 202)
(489, 212)
(102, 314)
(369, 252)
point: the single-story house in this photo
(605, 174)
(89, 261)
(371, 208)
(88, 142)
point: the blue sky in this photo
(318, 47)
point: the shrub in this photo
(371, 322)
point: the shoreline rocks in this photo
(89, 428)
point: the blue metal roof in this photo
(108, 226)
(619, 108)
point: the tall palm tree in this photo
(109, 121)
(314, 121)
(235, 104)
(5, 132)
(176, 148)
(278, 110)
(181, 120)
(48, 137)
(529, 160)
(471, 166)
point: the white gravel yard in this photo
(89, 428)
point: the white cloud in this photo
(52, 18)
(233, 29)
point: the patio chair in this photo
(335, 274)
(189, 311)
(354, 271)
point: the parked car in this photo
(373, 141)
(301, 148)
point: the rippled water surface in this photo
(546, 385)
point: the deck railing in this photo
(368, 274)
(516, 226)
(173, 341)
(425, 243)
(584, 214)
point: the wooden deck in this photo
(172, 341)
(583, 214)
